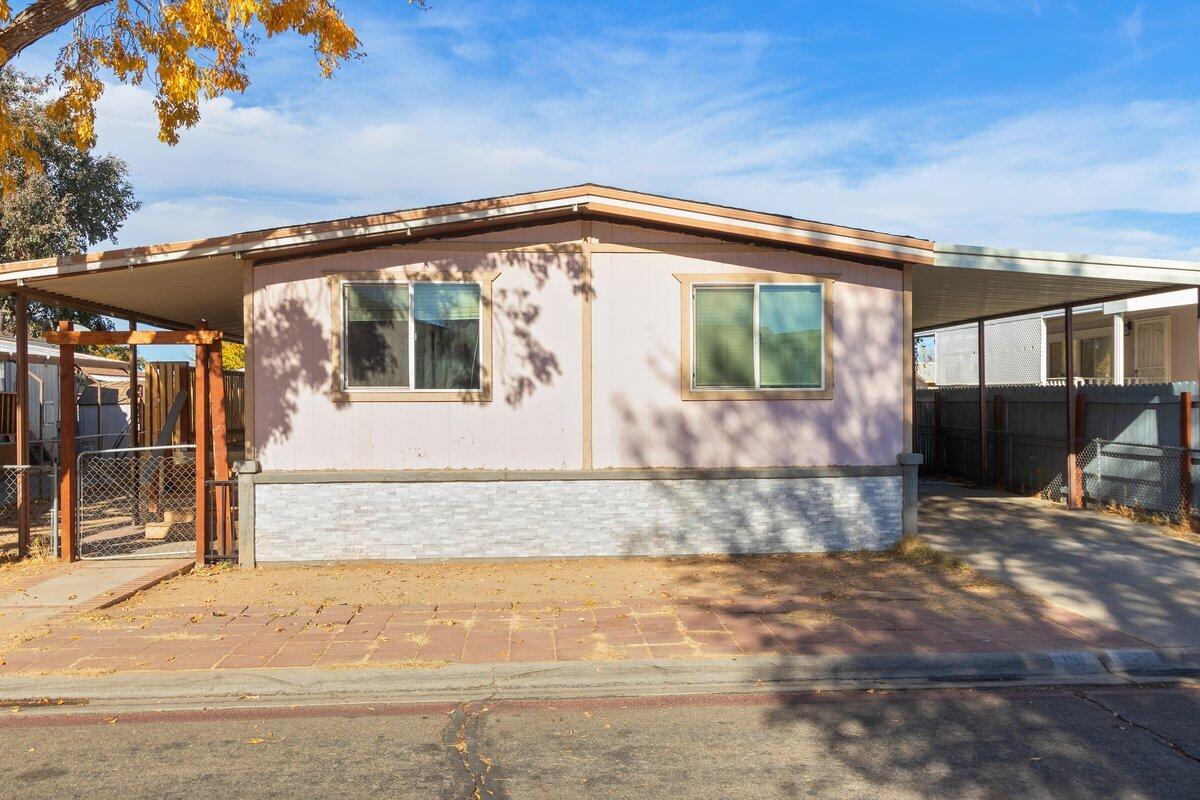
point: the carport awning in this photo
(176, 285)
(968, 283)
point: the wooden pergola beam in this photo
(85, 338)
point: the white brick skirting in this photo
(326, 521)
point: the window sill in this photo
(758, 394)
(466, 396)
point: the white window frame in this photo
(757, 387)
(412, 340)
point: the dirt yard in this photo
(918, 571)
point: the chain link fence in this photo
(41, 482)
(137, 502)
(1144, 479)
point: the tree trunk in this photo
(40, 19)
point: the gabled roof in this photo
(174, 284)
(587, 199)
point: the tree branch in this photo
(40, 19)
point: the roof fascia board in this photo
(1073, 265)
(774, 232)
(748, 224)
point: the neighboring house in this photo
(1150, 339)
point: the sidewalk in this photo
(66, 590)
(240, 637)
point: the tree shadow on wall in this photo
(293, 348)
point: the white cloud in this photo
(1132, 25)
(689, 115)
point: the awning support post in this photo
(21, 324)
(202, 426)
(1073, 501)
(66, 446)
(983, 416)
(135, 422)
(1185, 460)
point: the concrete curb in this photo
(1139, 664)
(247, 688)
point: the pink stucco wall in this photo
(535, 420)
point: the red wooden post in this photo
(201, 430)
(67, 480)
(216, 413)
(1185, 461)
(22, 422)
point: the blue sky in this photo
(1069, 126)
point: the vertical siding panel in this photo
(638, 416)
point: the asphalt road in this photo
(1020, 744)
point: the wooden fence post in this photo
(1185, 460)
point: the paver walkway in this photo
(1120, 573)
(338, 635)
(82, 586)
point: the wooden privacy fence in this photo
(1134, 444)
(164, 380)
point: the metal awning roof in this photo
(176, 284)
(966, 283)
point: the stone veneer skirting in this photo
(324, 518)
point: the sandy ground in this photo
(598, 580)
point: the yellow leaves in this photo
(192, 49)
(17, 139)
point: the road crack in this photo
(1165, 740)
(477, 774)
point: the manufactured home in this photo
(581, 371)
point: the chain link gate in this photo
(137, 502)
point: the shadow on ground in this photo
(1120, 573)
